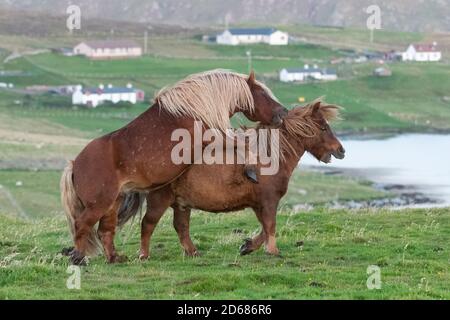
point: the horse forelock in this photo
(300, 124)
(210, 97)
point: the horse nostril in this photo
(341, 150)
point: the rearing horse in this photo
(137, 157)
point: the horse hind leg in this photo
(157, 203)
(85, 238)
(181, 219)
(256, 242)
(253, 244)
(106, 232)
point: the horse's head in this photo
(324, 144)
(267, 110)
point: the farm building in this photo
(109, 49)
(422, 52)
(305, 73)
(93, 97)
(236, 36)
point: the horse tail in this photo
(73, 207)
(131, 205)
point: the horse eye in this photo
(323, 128)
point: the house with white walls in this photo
(94, 97)
(307, 73)
(422, 52)
(108, 49)
(237, 36)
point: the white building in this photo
(270, 36)
(305, 73)
(109, 49)
(422, 52)
(93, 97)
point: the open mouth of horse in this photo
(338, 154)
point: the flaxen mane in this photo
(210, 97)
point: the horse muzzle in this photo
(277, 119)
(339, 153)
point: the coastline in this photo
(400, 196)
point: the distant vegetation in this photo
(415, 98)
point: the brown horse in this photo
(137, 157)
(221, 187)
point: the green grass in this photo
(318, 188)
(38, 196)
(411, 100)
(292, 51)
(354, 38)
(410, 246)
(337, 248)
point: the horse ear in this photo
(251, 78)
(316, 107)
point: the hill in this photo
(404, 15)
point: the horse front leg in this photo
(269, 221)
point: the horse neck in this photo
(291, 159)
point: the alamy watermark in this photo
(211, 146)
(73, 21)
(74, 280)
(374, 279)
(373, 22)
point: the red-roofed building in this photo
(422, 52)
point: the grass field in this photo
(415, 98)
(37, 195)
(325, 254)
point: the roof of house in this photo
(109, 90)
(111, 44)
(311, 70)
(425, 47)
(329, 71)
(252, 31)
(303, 70)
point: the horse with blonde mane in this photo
(137, 157)
(220, 187)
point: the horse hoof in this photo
(67, 251)
(193, 254)
(276, 254)
(77, 258)
(118, 259)
(246, 247)
(143, 257)
(251, 175)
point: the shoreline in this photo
(402, 196)
(387, 133)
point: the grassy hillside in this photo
(415, 98)
(36, 193)
(325, 255)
